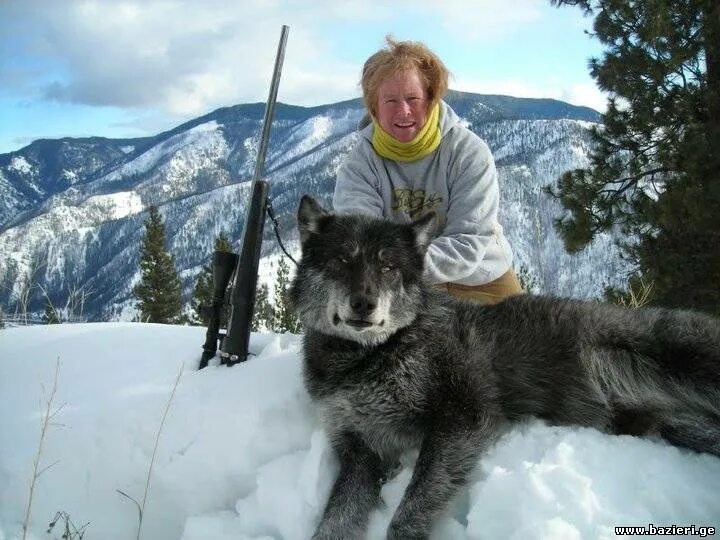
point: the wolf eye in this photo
(387, 268)
(342, 260)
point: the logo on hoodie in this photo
(414, 201)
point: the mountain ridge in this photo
(83, 230)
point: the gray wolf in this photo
(396, 365)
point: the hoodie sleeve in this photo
(356, 187)
(472, 212)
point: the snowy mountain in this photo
(71, 210)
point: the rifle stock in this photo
(224, 264)
(242, 297)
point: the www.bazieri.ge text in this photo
(657, 530)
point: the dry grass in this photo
(141, 505)
(637, 295)
(47, 420)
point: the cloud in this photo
(489, 19)
(587, 95)
(184, 58)
(23, 141)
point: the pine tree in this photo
(528, 282)
(203, 292)
(51, 316)
(263, 314)
(655, 170)
(159, 292)
(285, 319)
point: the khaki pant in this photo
(489, 293)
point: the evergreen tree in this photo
(159, 292)
(203, 292)
(264, 314)
(655, 170)
(2, 318)
(51, 316)
(285, 319)
(528, 282)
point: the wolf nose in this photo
(362, 306)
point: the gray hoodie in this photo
(458, 181)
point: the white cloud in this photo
(184, 58)
(486, 19)
(587, 95)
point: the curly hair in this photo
(400, 56)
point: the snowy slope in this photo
(242, 454)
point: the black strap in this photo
(271, 215)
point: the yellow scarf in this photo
(425, 142)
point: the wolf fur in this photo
(395, 365)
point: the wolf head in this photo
(360, 278)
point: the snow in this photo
(116, 205)
(21, 165)
(586, 124)
(70, 176)
(242, 454)
(205, 137)
(64, 232)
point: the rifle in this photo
(240, 272)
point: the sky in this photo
(135, 68)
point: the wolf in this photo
(395, 364)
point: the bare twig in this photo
(49, 414)
(28, 282)
(128, 497)
(77, 296)
(141, 505)
(47, 467)
(71, 532)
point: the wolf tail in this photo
(660, 372)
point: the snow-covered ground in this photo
(242, 454)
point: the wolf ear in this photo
(423, 229)
(308, 216)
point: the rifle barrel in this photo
(270, 107)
